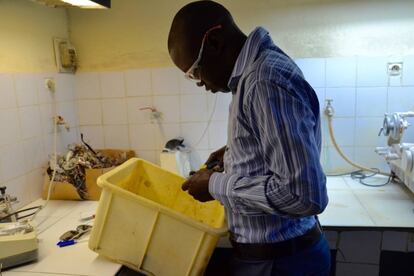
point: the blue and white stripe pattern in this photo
(273, 183)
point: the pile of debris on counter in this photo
(71, 168)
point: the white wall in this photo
(109, 105)
(133, 34)
(26, 108)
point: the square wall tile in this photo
(30, 122)
(9, 126)
(135, 115)
(371, 101)
(193, 108)
(34, 180)
(169, 106)
(142, 137)
(372, 71)
(195, 135)
(34, 153)
(367, 157)
(18, 187)
(350, 245)
(114, 112)
(90, 112)
(332, 238)
(341, 72)
(343, 101)
(367, 130)
(94, 136)
(112, 84)
(217, 135)
(320, 93)
(333, 163)
(165, 81)
(116, 137)
(314, 70)
(343, 129)
(408, 71)
(65, 87)
(7, 95)
(219, 103)
(394, 241)
(87, 86)
(165, 132)
(12, 161)
(47, 112)
(400, 99)
(138, 82)
(346, 269)
(189, 87)
(26, 89)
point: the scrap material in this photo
(71, 167)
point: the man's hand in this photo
(197, 185)
(216, 159)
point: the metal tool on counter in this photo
(72, 236)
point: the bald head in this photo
(193, 20)
(221, 46)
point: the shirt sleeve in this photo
(296, 185)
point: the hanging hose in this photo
(52, 180)
(329, 114)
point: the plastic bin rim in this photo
(103, 182)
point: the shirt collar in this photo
(248, 54)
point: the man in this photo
(273, 185)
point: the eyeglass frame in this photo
(189, 74)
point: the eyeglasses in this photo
(194, 72)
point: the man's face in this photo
(211, 75)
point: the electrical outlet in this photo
(395, 68)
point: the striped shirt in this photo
(273, 185)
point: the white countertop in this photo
(57, 218)
(350, 205)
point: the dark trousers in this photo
(314, 260)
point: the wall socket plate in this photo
(394, 68)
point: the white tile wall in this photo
(408, 71)
(165, 81)
(138, 82)
(112, 84)
(114, 112)
(314, 70)
(358, 86)
(93, 135)
(372, 71)
(116, 136)
(343, 101)
(194, 108)
(26, 89)
(371, 101)
(340, 72)
(87, 86)
(26, 127)
(8, 97)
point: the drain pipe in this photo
(329, 112)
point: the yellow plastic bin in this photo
(146, 222)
